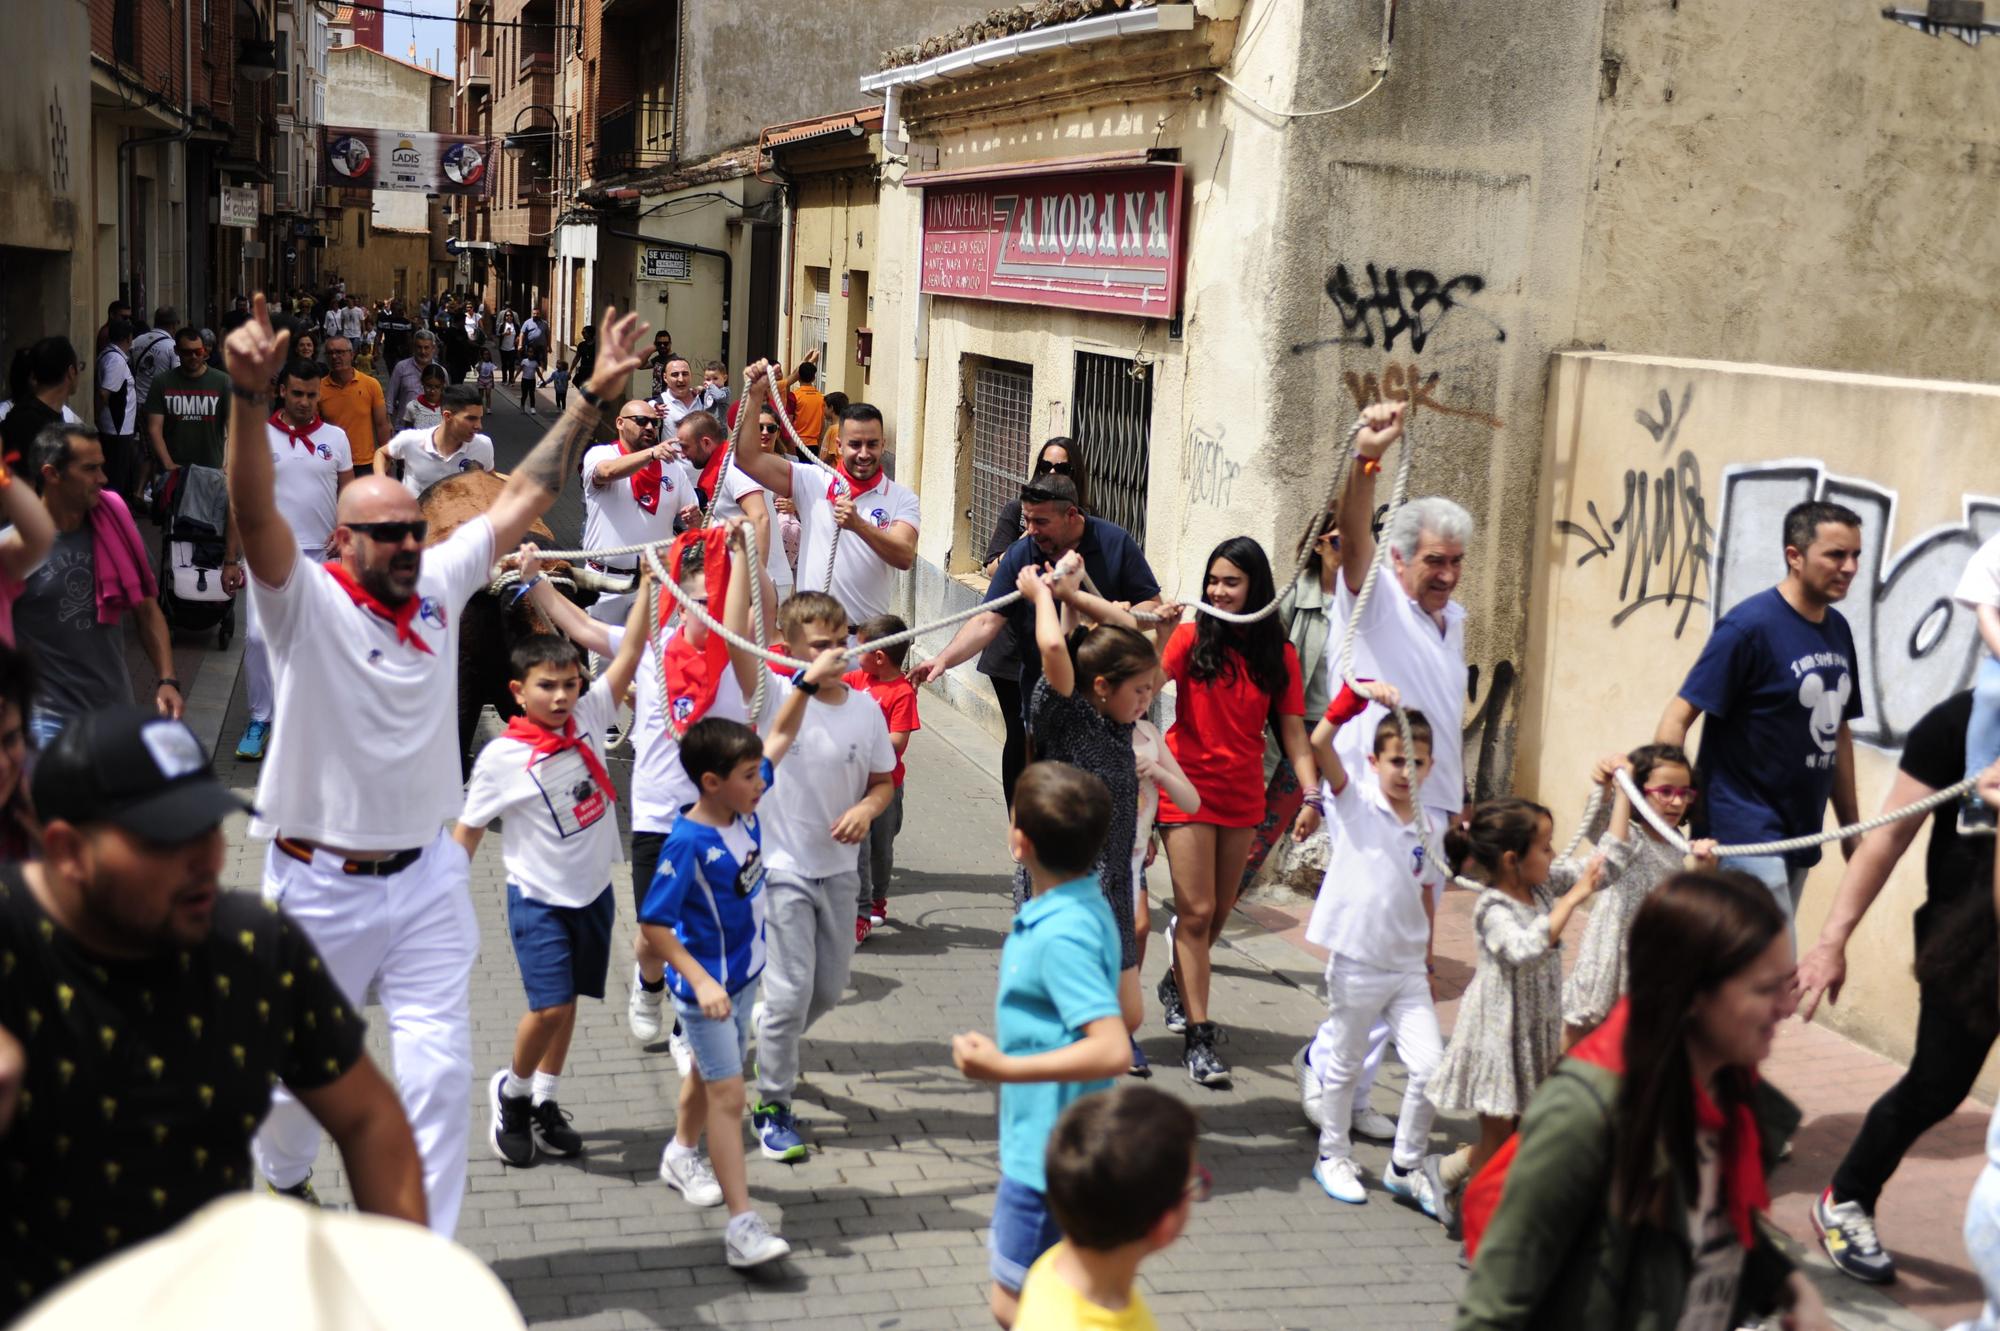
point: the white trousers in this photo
(1358, 997)
(257, 683)
(411, 937)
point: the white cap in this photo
(253, 1261)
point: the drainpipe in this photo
(785, 272)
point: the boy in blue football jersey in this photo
(705, 915)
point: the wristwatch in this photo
(804, 685)
(165, 680)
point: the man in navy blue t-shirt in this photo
(1056, 524)
(1778, 683)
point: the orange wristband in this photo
(1369, 466)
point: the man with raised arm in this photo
(363, 770)
(865, 521)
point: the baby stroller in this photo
(195, 502)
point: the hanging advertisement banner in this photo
(1104, 240)
(390, 159)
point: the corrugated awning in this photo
(1046, 166)
(799, 131)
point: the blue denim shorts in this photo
(1022, 1230)
(564, 951)
(719, 1046)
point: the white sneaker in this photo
(1309, 1088)
(1340, 1180)
(748, 1241)
(691, 1175)
(683, 1052)
(1373, 1124)
(642, 1013)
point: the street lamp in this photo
(520, 142)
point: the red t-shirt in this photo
(1218, 735)
(898, 700)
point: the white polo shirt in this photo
(612, 516)
(424, 466)
(1399, 643)
(364, 740)
(661, 787)
(306, 474)
(862, 582)
(560, 836)
(1370, 905)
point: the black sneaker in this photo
(1169, 995)
(1976, 817)
(302, 1191)
(510, 1123)
(552, 1130)
(1847, 1232)
(1203, 1064)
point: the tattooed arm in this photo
(534, 485)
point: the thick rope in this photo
(811, 453)
(1673, 837)
(747, 538)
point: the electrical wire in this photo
(1251, 98)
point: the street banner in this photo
(390, 159)
(1105, 240)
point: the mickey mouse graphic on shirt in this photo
(1827, 706)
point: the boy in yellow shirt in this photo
(1122, 1177)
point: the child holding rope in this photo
(1082, 713)
(1509, 1031)
(1233, 681)
(1636, 860)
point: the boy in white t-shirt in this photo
(839, 778)
(1375, 916)
(1979, 588)
(546, 777)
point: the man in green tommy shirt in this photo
(187, 410)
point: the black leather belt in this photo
(382, 868)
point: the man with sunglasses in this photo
(703, 440)
(185, 412)
(363, 769)
(635, 489)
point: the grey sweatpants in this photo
(878, 854)
(808, 950)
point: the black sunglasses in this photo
(767, 429)
(1059, 468)
(643, 421)
(391, 533)
(1036, 495)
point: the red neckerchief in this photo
(645, 482)
(709, 487)
(399, 618)
(542, 742)
(694, 674)
(1742, 1165)
(855, 489)
(301, 438)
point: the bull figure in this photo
(493, 620)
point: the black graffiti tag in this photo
(1409, 302)
(1668, 544)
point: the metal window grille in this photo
(1002, 409)
(813, 320)
(1111, 419)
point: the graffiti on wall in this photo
(1405, 382)
(1385, 307)
(1917, 646)
(1210, 474)
(1489, 755)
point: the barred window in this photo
(1003, 395)
(1111, 419)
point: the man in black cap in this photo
(154, 1013)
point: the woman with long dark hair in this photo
(1000, 662)
(1632, 1198)
(1233, 682)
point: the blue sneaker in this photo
(777, 1134)
(1140, 1067)
(250, 748)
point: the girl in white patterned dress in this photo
(1636, 861)
(1508, 1035)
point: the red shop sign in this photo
(1107, 240)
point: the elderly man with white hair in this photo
(1412, 635)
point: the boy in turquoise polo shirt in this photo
(1061, 1035)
